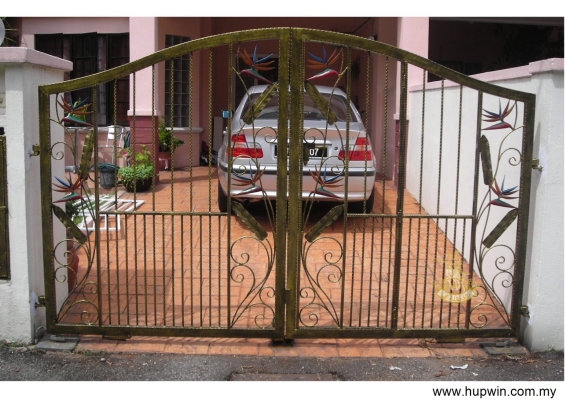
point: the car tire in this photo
(357, 207)
(222, 199)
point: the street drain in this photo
(282, 377)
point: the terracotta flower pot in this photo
(164, 161)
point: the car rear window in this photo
(311, 112)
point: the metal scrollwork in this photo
(496, 270)
(317, 294)
(77, 206)
(259, 291)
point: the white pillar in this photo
(143, 41)
(22, 70)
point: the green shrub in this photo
(140, 166)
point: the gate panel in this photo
(437, 252)
(170, 260)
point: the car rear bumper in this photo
(360, 183)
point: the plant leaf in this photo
(69, 224)
(484, 148)
(86, 158)
(501, 227)
(260, 103)
(248, 220)
(321, 103)
(322, 224)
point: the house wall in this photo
(43, 25)
(543, 293)
(192, 28)
(147, 35)
(21, 72)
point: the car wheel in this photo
(222, 199)
(357, 207)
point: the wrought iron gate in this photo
(441, 254)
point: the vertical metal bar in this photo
(172, 89)
(456, 203)
(420, 208)
(182, 268)
(134, 219)
(367, 108)
(219, 272)
(371, 262)
(191, 194)
(347, 141)
(524, 207)
(144, 265)
(46, 199)
(153, 231)
(383, 189)
(210, 143)
(282, 165)
(135, 270)
(228, 223)
(4, 233)
(475, 195)
(407, 271)
(400, 193)
(154, 272)
(462, 272)
(294, 214)
(96, 221)
(345, 211)
(126, 230)
(164, 270)
(200, 263)
(445, 260)
(114, 157)
(437, 208)
(154, 148)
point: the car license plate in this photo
(315, 151)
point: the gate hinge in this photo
(36, 150)
(41, 301)
(525, 311)
(535, 165)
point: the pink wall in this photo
(147, 35)
(42, 25)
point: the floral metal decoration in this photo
(323, 181)
(256, 65)
(242, 180)
(76, 111)
(498, 117)
(502, 194)
(323, 63)
(497, 196)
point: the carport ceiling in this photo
(547, 21)
(339, 24)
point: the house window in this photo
(91, 53)
(179, 85)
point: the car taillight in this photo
(240, 148)
(361, 151)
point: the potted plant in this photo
(138, 174)
(168, 142)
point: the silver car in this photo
(254, 145)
